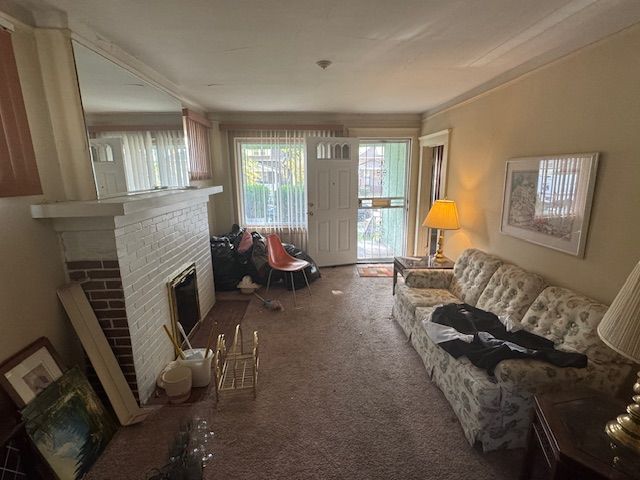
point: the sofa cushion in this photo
(474, 380)
(473, 395)
(570, 321)
(510, 292)
(471, 273)
(413, 298)
(434, 278)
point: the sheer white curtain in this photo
(173, 164)
(153, 158)
(271, 173)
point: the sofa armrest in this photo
(612, 378)
(535, 376)
(435, 278)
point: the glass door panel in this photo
(382, 185)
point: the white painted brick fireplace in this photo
(130, 248)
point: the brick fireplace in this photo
(124, 252)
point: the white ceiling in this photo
(388, 56)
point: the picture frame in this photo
(69, 426)
(30, 371)
(547, 200)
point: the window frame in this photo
(239, 176)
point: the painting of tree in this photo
(69, 425)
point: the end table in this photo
(568, 432)
(402, 265)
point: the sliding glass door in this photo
(382, 188)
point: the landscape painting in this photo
(69, 425)
(547, 200)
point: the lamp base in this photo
(439, 256)
(624, 431)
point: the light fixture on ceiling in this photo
(323, 64)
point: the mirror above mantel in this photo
(136, 133)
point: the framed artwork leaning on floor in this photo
(69, 426)
(547, 200)
(30, 371)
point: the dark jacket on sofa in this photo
(492, 342)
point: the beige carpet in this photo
(341, 396)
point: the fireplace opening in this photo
(185, 306)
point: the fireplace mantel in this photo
(122, 206)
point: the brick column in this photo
(102, 283)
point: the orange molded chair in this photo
(279, 259)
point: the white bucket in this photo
(200, 366)
(177, 382)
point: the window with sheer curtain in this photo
(153, 158)
(272, 181)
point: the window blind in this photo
(18, 169)
(197, 131)
(271, 174)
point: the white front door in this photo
(108, 165)
(332, 196)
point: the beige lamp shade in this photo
(443, 215)
(620, 326)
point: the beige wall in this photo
(30, 259)
(589, 101)
(222, 214)
(62, 96)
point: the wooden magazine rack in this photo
(236, 368)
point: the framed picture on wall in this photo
(30, 371)
(547, 200)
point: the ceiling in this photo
(403, 56)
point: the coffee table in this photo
(402, 265)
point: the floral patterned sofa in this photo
(496, 411)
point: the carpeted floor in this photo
(341, 396)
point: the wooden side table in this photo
(568, 433)
(402, 265)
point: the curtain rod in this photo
(132, 128)
(245, 126)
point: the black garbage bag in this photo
(260, 274)
(312, 271)
(227, 269)
(235, 235)
(229, 265)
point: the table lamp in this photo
(620, 330)
(443, 215)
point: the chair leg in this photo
(293, 286)
(304, 274)
(269, 280)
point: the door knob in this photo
(310, 214)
